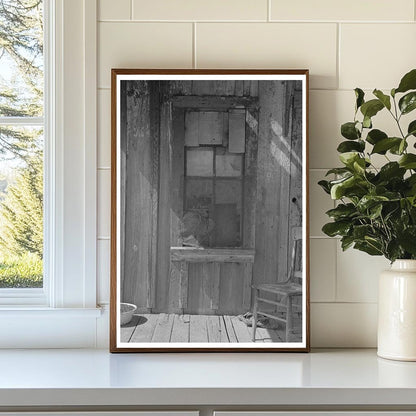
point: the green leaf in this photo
(408, 82)
(408, 102)
(325, 186)
(359, 95)
(338, 190)
(411, 130)
(408, 161)
(336, 228)
(368, 248)
(342, 211)
(400, 148)
(375, 136)
(375, 211)
(360, 231)
(349, 146)
(368, 201)
(371, 108)
(385, 99)
(346, 242)
(393, 250)
(407, 240)
(390, 170)
(385, 144)
(349, 158)
(350, 131)
(338, 171)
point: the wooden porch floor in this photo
(196, 328)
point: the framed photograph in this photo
(209, 210)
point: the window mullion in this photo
(22, 121)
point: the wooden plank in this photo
(176, 176)
(215, 289)
(184, 277)
(163, 328)
(237, 131)
(200, 297)
(242, 332)
(202, 87)
(122, 196)
(160, 119)
(272, 176)
(250, 179)
(195, 255)
(179, 87)
(247, 282)
(214, 328)
(231, 289)
(145, 328)
(126, 331)
(267, 335)
(180, 330)
(141, 192)
(178, 287)
(223, 330)
(239, 88)
(295, 192)
(229, 88)
(246, 87)
(254, 88)
(162, 240)
(230, 329)
(214, 102)
(198, 328)
(191, 128)
(210, 128)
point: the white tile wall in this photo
(271, 45)
(104, 128)
(200, 10)
(368, 10)
(345, 44)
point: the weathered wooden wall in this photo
(141, 177)
(152, 162)
(278, 180)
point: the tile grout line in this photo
(194, 62)
(336, 272)
(269, 10)
(338, 64)
(308, 22)
(131, 9)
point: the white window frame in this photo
(69, 291)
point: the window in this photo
(214, 181)
(22, 126)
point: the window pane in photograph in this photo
(228, 164)
(197, 223)
(227, 213)
(21, 144)
(199, 162)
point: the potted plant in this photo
(376, 209)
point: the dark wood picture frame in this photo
(199, 238)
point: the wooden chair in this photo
(285, 291)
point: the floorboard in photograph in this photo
(165, 327)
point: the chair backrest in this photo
(295, 272)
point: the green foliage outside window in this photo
(21, 146)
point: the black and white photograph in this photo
(209, 242)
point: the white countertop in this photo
(96, 377)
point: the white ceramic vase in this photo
(397, 312)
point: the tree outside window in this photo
(21, 143)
